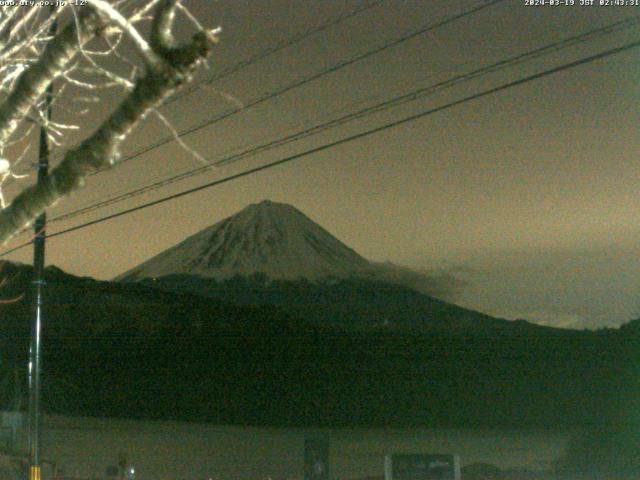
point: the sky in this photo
(529, 196)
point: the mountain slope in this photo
(279, 242)
(272, 254)
(270, 238)
(352, 303)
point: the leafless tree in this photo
(31, 58)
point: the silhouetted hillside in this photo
(352, 303)
(132, 351)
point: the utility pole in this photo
(35, 349)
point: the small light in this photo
(131, 473)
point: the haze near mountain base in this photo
(282, 243)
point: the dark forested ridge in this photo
(130, 350)
(354, 303)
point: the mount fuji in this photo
(272, 254)
(271, 238)
(278, 241)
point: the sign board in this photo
(422, 467)
(316, 459)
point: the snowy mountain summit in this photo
(275, 239)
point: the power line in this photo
(299, 83)
(296, 84)
(274, 49)
(267, 52)
(16, 248)
(315, 76)
(352, 138)
(411, 96)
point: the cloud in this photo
(443, 283)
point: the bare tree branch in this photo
(176, 66)
(34, 81)
(115, 16)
